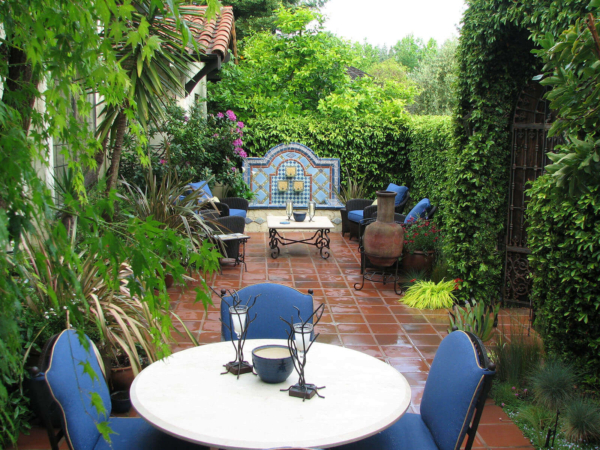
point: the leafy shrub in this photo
(539, 419)
(582, 421)
(516, 358)
(563, 235)
(478, 319)
(552, 384)
(421, 236)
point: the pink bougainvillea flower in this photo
(243, 154)
(186, 118)
(230, 115)
(215, 135)
(238, 142)
(240, 124)
(220, 115)
(163, 161)
(233, 169)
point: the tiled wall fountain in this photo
(291, 172)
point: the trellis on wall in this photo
(530, 143)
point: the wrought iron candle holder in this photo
(299, 343)
(239, 322)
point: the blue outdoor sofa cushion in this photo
(400, 191)
(418, 211)
(356, 215)
(237, 212)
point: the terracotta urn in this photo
(384, 239)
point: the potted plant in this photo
(421, 239)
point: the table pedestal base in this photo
(237, 368)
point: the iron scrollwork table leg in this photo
(320, 240)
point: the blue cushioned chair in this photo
(422, 210)
(228, 206)
(72, 389)
(359, 208)
(275, 301)
(457, 386)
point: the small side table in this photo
(241, 255)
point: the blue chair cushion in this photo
(452, 390)
(237, 212)
(204, 186)
(356, 215)
(400, 191)
(72, 389)
(275, 300)
(418, 211)
(408, 433)
(136, 433)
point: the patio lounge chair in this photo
(72, 390)
(455, 392)
(274, 301)
(228, 206)
(422, 210)
(359, 208)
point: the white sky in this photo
(387, 21)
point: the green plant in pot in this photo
(421, 239)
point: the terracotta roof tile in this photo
(219, 34)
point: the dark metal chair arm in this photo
(235, 203)
(358, 204)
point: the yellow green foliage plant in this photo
(430, 295)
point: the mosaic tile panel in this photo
(321, 178)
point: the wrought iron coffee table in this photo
(320, 224)
(185, 396)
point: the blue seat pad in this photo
(408, 433)
(204, 185)
(137, 434)
(356, 215)
(237, 212)
(418, 211)
(400, 191)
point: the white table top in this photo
(185, 396)
(318, 223)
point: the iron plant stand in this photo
(238, 366)
(320, 240)
(302, 389)
(379, 276)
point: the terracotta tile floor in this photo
(371, 320)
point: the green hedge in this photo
(409, 151)
(564, 238)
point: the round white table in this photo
(184, 395)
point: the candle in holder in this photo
(239, 314)
(302, 336)
(289, 209)
(312, 206)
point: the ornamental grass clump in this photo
(553, 383)
(516, 358)
(582, 421)
(429, 295)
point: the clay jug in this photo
(383, 240)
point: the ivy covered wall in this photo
(495, 64)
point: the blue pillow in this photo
(204, 186)
(400, 191)
(418, 211)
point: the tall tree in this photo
(410, 51)
(254, 16)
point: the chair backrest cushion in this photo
(275, 300)
(400, 191)
(418, 211)
(72, 389)
(453, 387)
(204, 186)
